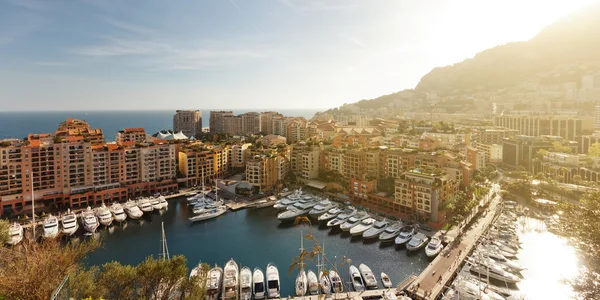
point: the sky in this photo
(243, 54)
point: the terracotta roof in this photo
(139, 129)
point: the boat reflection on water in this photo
(551, 262)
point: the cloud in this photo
(308, 6)
(131, 27)
(235, 4)
(118, 47)
(30, 4)
(354, 41)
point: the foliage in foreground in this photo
(581, 222)
(33, 271)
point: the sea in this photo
(18, 124)
(253, 238)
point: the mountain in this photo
(571, 41)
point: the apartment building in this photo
(74, 128)
(491, 135)
(492, 152)
(352, 120)
(188, 121)
(354, 164)
(196, 163)
(216, 122)
(563, 126)
(238, 155)
(296, 130)
(136, 135)
(420, 192)
(476, 158)
(232, 125)
(359, 189)
(266, 121)
(251, 123)
(334, 160)
(521, 150)
(266, 172)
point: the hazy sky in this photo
(170, 54)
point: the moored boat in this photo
(214, 282)
(209, 214)
(117, 212)
(337, 285)
(369, 279)
(354, 220)
(301, 283)
(144, 205)
(132, 210)
(357, 281)
(258, 284)
(245, 284)
(342, 217)
(405, 235)
(273, 285)
(325, 284)
(231, 281)
(89, 220)
(378, 228)
(434, 247)
(313, 282)
(51, 227)
(104, 216)
(363, 226)
(386, 281)
(155, 202)
(69, 223)
(15, 234)
(164, 204)
(391, 232)
(417, 242)
(321, 208)
(330, 214)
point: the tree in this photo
(594, 150)
(559, 147)
(4, 226)
(580, 221)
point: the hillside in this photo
(573, 40)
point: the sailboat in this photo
(162, 288)
(301, 279)
(323, 280)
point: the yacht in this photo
(486, 269)
(357, 280)
(321, 208)
(50, 227)
(417, 242)
(15, 233)
(144, 205)
(312, 282)
(273, 285)
(231, 281)
(209, 214)
(298, 209)
(245, 284)
(337, 285)
(214, 281)
(471, 290)
(434, 247)
(104, 216)
(164, 204)
(405, 235)
(508, 254)
(354, 220)
(301, 283)
(508, 265)
(89, 220)
(368, 277)
(284, 203)
(69, 223)
(207, 206)
(342, 217)
(386, 281)
(378, 228)
(258, 287)
(363, 226)
(133, 212)
(330, 214)
(391, 232)
(325, 284)
(155, 202)
(117, 212)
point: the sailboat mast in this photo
(301, 249)
(202, 180)
(165, 248)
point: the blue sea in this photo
(18, 124)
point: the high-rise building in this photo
(216, 122)
(232, 124)
(136, 135)
(597, 127)
(566, 127)
(266, 121)
(250, 123)
(188, 121)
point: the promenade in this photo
(430, 283)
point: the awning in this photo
(316, 185)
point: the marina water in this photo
(253, 237)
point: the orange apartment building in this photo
(210, 163)
(76, 171)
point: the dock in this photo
(431, 282)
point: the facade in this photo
(296, 130)
(492, 152)
(216, 122)
(232, 124)
(585, 141)
(251, 123)
(521, 150)
(266, 172)
(355, 164)
(238, 155)
(566, 127)
(476, 158)
(597, 123)
(266, 121)
(359, 189)
(352, 120)
(310, 163)
(244, 124)
(136, 135)
(188, 121)
(492, 135)
(208, 163)
(74, 129)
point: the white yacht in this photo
(405, 235)
(321, 208)
(486, 269)
(214, 282)
(231, 281)
(132, 210)
(89, 220)
(434, 247)
(258, 286)
(330, 214)
(357, 280)
(337, 285)
(144, 205)
(245, 284)
(301, 283)
(207, 206)
(155, 202)
(509, 253)
(386, 281)
(354, 220)
(391, 232)
(298, 209)
(15, 234)
(312, 282)
(378, 228)
(472, 290)
(51, 227)
(69, 223)
(368, 277)
(342, 217)
(417, 242)
(509, 266)
(273, 286)
(104, 215)
(282, 204)
(209, 214)
(363, 226)
(164, 204)
(117, 212)
(325, 284)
